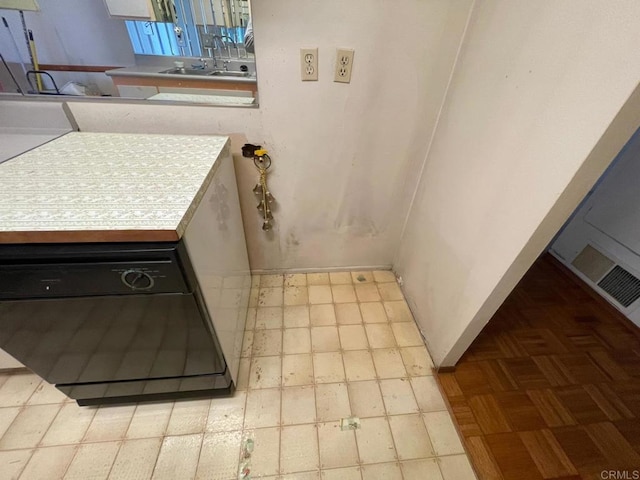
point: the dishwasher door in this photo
(109, 324)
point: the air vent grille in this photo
(621, 285)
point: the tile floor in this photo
(318, 347)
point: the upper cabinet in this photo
(152, 10)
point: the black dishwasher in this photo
(110, 323)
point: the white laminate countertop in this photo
(106, 187)
(154, 72)
(209, 99)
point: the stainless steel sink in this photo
(187, 71)
(202, 72)
(219, 73)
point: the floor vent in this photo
(621, 285)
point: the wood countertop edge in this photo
(89, 236)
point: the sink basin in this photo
(187, 71)
(202, 72)
(218, 73)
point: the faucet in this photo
(203, 61)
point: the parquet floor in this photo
(551, 387)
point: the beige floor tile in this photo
(295, 280)
(296, 340)
(93, 460)
(255, 280)
(366, 400)
(266, 453)
(178, 457)
(340, 278)
(267, 343)
(425, 469)
(17, 389)
(247, 344)
(297, 370)
(46, 393)
(390, 291)
(382, 471)
(188, 416)
(383, 276)
(296, 316)
(254, 294)
(353, 337)
(29, 427)
(149, 420)
(110, 423)
(270, 297)
(367, 292)
(358, 365)
(380, 335)
(226, 414)
(388, 363)
(348, 313)
(298, 405)
(13, 462)
(410, 436)
(7, 416)
(243, 374)
(443, 434)
(337, 447)
(49, 463)
(268, 317)
(300, 476)
(375, 443)
(263, 408)
(362, 277)
(398, 396)
(70, 425)
(266, 372)
(417, 361)
(328, 367)
(398, 311)
(276, 280)
(373, 312)
(322, 315)
(296, 295)
(320, 294)
(317, 278)
(136, 459)
(348, 473)
(298, 448)
(427, 394)
(407, 334)
(325, 339)
(219, 456)
(250, 321)
(456, 467)
(332, 402)
(343, 293)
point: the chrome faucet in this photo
(225, 65)
(204, 63)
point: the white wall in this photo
(71, 32)
(536, 87)
(345, 156)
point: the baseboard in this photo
(361, 268)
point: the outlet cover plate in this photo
(344, 65)
(309, 64)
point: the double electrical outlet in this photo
(309, 64)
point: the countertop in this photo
(208, 99)
(94, 187)
(14, 141)
(154, 72)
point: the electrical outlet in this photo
(309, 64)
(344, 65)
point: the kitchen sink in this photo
(202, 72)
(187, 71)
(219, 73)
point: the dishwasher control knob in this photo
(137, 280)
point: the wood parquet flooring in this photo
(550, 389)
